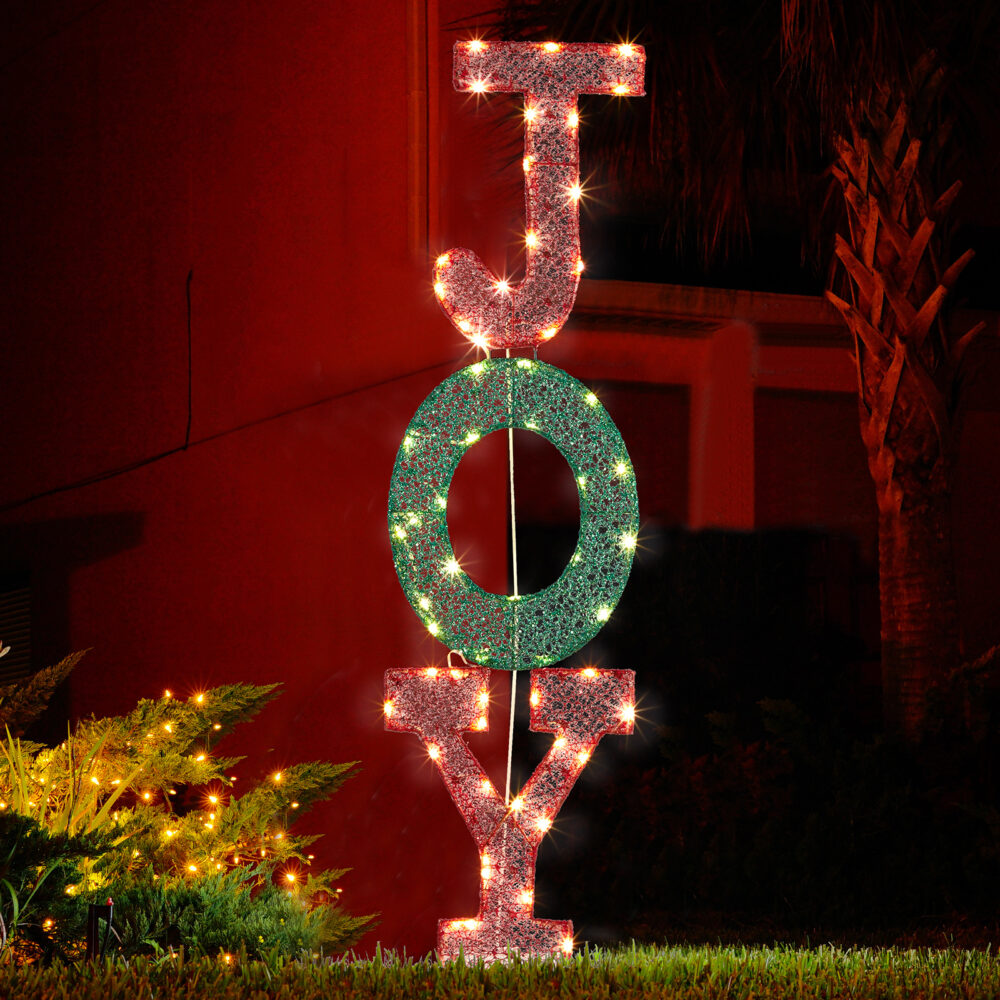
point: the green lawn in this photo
(687, 971)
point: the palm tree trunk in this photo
(907, 369)
(920, 634)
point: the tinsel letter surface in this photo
(550, 75)
(497, 630)
(578, 707)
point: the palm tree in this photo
(746, 101)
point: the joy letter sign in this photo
(527, 631)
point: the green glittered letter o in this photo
(495, 630)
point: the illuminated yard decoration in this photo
(578, 707)
(521, 631)
(496, 630)
(485, 308)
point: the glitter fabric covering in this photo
(483, 307)
(497, 630)
(578, 707)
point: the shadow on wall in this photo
(45, 554)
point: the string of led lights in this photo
(517, 631)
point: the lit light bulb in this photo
(432, 671)
(456, 674)
(424, 603)
(290, 876)
(442, 260)
(213, 799)
(168, 727)
(433, 628)
(535, 697)
(543, 823)
(168, 693)
(452, 568)
(573, 119)
(552, 46)
(486, 786)
(481, 723)
(580, 266)
(276, 776)
(530, 114)
(588, 672)
(218, 725)
(549, 333)
(295, 805)
(192, 868)
(94, 780)
(517, 804)
(559, 742)
(603, 614)
(620, 89)
(625, 49)
(200, 757)
(503, 286)
(531, 238)
(439, 289)
(628, 713)
(433, 752)
(621, 469)
(583, 756)
(478, 86)
(478, 340)
(524, 897)
(591, 399)
(526, 164)
(567, 945)
(575, 192)
(465, 326)
(199, 698)
(628, 542)
(477, 45)
(471, 925)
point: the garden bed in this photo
(675, 972)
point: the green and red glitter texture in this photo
(522, 631)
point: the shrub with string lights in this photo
(164, 806)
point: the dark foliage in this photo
(23, 702)
(719, 176)
(759, 784)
